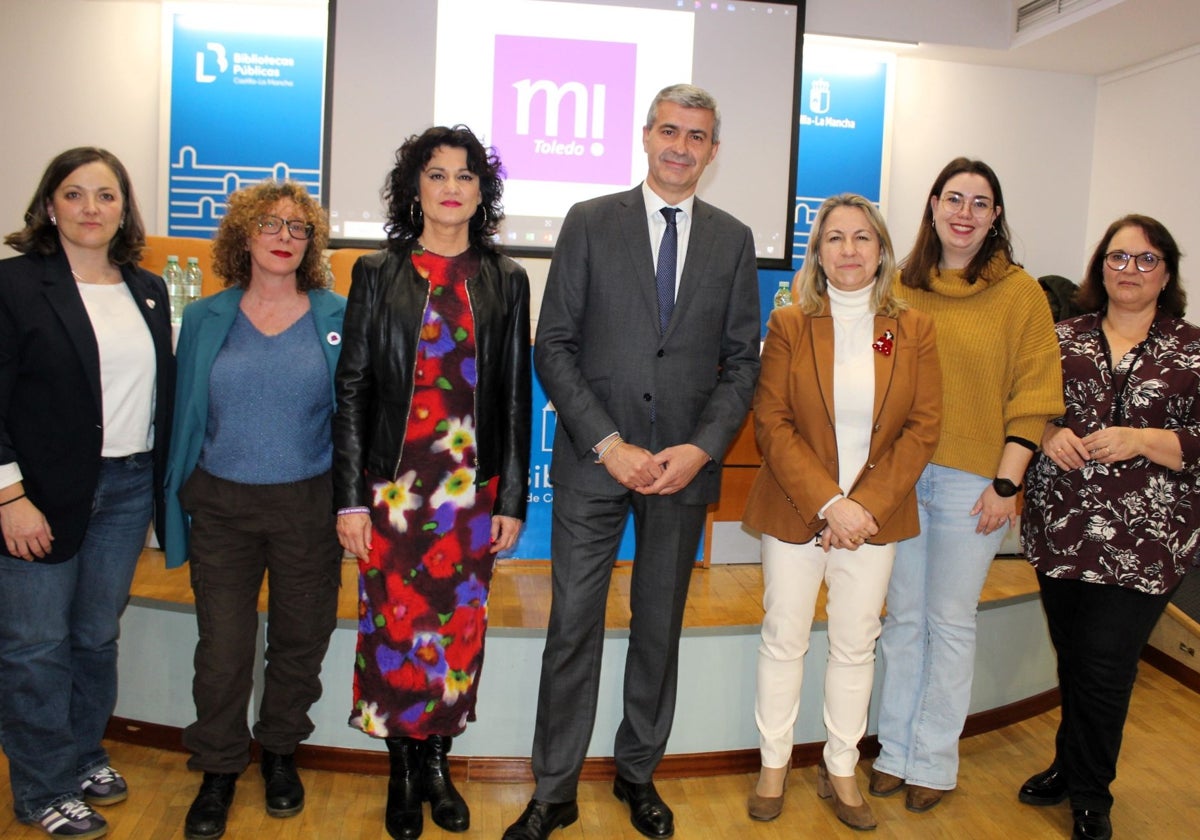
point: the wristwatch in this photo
(1004, 488)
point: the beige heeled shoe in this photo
(766, 808)
(858, 817)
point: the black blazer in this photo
(50, 399)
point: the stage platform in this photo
(714, 730)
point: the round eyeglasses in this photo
(297, 228)
(1117, 260)
(980, 206)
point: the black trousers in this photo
(1098, 632)
(239, 532)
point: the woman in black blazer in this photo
(86, 389)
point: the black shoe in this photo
(402, 817)
(446, 806)
(206, 818)
(1091, 825)
(285, 792)
(540, 818)
(1046, 788)
(647, 812)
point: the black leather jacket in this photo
(374, 380)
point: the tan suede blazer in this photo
(794, 426)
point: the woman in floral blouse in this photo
(1113, 501)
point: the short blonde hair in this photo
(811, 282)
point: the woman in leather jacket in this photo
(431, 458)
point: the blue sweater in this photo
(206, 323)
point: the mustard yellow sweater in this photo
(1001, 375)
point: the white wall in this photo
(1147, 129)
(77, 73)
(1034, 129)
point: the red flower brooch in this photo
(883, 344)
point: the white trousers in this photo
(857, 582)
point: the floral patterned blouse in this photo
(1135, 523)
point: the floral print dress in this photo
(423, 589)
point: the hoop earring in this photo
(484, 223)
(993, 233)
(413, 221)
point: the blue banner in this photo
(247, 101)
(843, 106)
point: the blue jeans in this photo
(928, 639)
(59, 624)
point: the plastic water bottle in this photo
(193, 281)
(783, 296)
(173, 277)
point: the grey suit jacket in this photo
(603, 362)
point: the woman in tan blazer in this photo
(847, 414)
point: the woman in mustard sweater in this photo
(1001, 384)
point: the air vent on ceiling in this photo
(1037, 13)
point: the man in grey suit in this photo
(650, 358)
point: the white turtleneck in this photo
(853, 379)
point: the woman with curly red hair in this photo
(249, 492)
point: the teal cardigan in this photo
(206, 323)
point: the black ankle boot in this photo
(206, 818)
(402, 817)
(285, 792)
(446, 806)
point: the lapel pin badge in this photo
(334, 338)
(883, 344)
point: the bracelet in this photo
(349, 510)
(612, 444)
(13, 499)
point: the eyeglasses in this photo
(980, 206)
(297, 228)
(1117, 260)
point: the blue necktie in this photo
(664, 274)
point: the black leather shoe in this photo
(285, 792)
(402, 817)
(206, 818)
(648, 813)
(1091, 825)
(540, 818)
(1046, 788)
(446, 805)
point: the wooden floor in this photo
(1155, 793)
(720, 596)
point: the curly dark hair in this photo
(926, 252)
(231, 259)
(40, 236)
(400, 192)
(1093, 297)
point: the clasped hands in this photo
(655, 473)
(847, 525)
(1070, 452)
